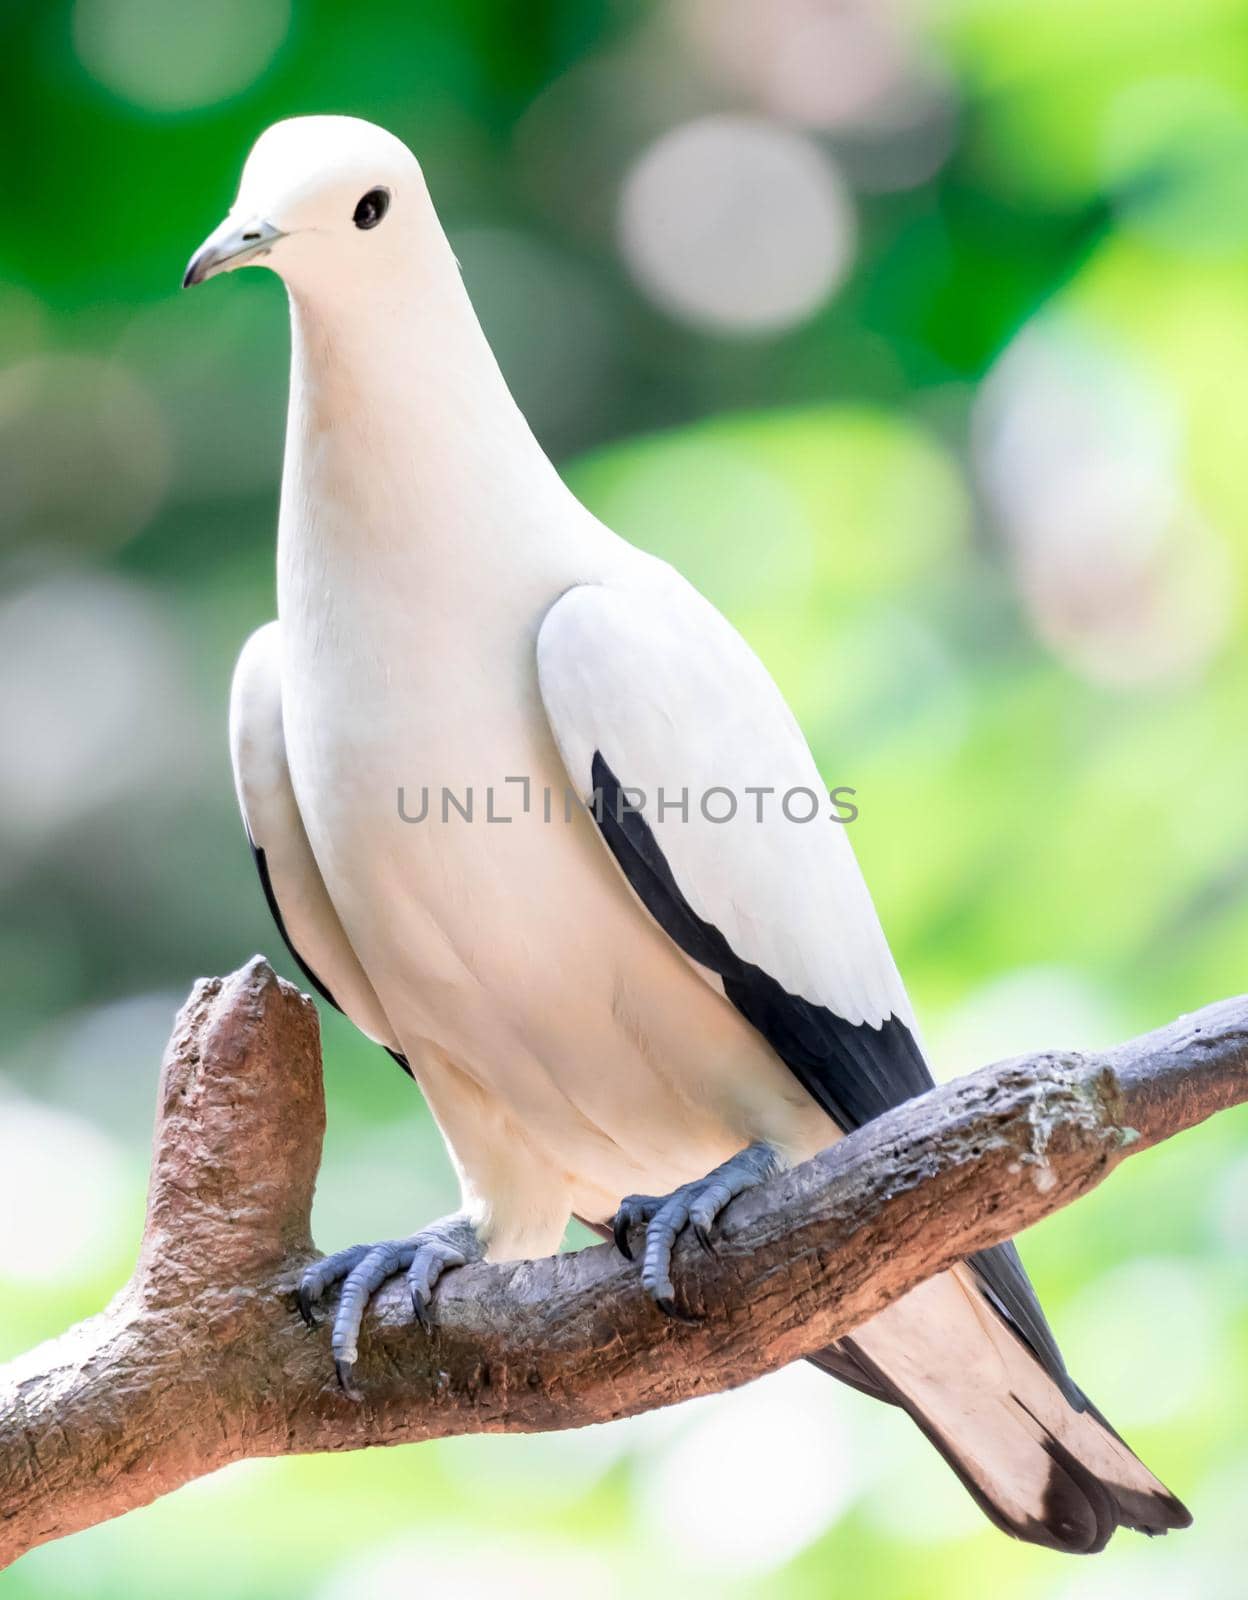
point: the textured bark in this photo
(202, 1360)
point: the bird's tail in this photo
(1043, 1467)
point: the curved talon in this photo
(695, 1206)
(362, 1269)
(420, 1308)
(669, 1308)
(346, 1379)
(318, 1275)
(305, 1304)
(432, 1258)
(635, 1211)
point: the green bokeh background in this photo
(981, 504)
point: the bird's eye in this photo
(371, 208)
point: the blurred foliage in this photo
(942, 395)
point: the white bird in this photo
(601, 1006)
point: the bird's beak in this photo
(233, 244)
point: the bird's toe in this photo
(696, 1206)
(362, 1270)
(371, 1269)
(435, 1252)
(635, 1211)
(665, 1227)
(346, 1379)
(671, 1310)
(306, 1298)
(321, 1275)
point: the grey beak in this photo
(233, 244)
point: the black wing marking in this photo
(854, 1071)
(266, 883)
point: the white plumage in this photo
(450, 616)
(270, 811)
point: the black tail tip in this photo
(1081, 1511)
(1153, 1514)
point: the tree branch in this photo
(201, 1359)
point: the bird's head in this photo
(320, 197)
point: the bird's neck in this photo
(405, 452)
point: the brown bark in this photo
(202, 1360)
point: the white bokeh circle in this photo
(737, 224)
(164, 57)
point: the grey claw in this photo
(694, 1206)
(669, 1308)
(420, 1310)
(346, 1379)
(305, 1306)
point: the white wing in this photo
(664, 691)
(292, 882)
(650, 690)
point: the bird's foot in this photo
(363, 1268)
(693, 1205)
